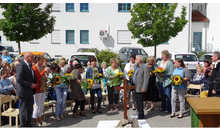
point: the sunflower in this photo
(89, 86)
(89, 81)
(54, 84)
(100, 74)
(176, 83)
(57, 79)
(177, 78)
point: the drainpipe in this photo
(190, 29)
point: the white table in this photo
(113, 123)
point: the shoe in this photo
(179, 117)
(161, 109)
(58, 118)
(145, 108)
(93, 112)
(37, 124)
(133, 108)
(152, 108)
(41, 122)
(128, 107)
(75, 116)
(167, 111)
(171, 116)
(99, 111)
(83, 114)
(61, 116)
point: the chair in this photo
(47, 104)
(11, 112)
(71, 105)
(192, 86)
(104, 94)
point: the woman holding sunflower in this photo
(111, 73)
(179, 77)
(91, 73)
(76, 93)
(61, 90)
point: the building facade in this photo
(78, 25)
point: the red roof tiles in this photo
(198, 17)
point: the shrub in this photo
(106, 55)
(200, 53)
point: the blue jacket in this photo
(7, 58)
(89, 72)
(205, 81)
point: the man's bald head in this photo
(29, 57)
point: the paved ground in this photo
(154, 118)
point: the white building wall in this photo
(213, 38)
(100, 15)
(202, 8)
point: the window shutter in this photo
(56, 36)
(124, 37)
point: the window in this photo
(56, 7)
(201, 8)
(124, 37)
(166, 42)
(70, 7)
(186, 57)
(124, 7)
(198, 8)
(84, 36)
(55, 37)
(70, 36)
(192, 4)
(205, 5)
(84, 7)
(0, 39)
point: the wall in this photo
(100, 15)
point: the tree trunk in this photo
(19, 48)
(155, 52)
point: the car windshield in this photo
(205, 57)
(186, 57)
(88, 50)
(9, 48)
(138, 51)
(83, 58)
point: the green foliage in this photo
(200, 53)
(107, 55)
(154, 23)
(26, 21)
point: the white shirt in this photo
(216, 63)
(30, 68)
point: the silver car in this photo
(125, 52)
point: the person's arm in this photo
(187, 75)
(10, 86)
(196, 82)
(37, 73)
(146, 77)
(89, 73)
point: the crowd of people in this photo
(29, 78)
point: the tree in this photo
(154, 23)
(24, 22)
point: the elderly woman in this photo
(163, 81)
(104, 68)
(6, 56)
(152, 93)
(111, 72)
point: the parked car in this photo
(125, 52)
(44, 54)
(10, 50)
(95, 50)
(190, 59)
(205, 57)
(84, 57)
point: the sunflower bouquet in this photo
(66, 78)
(118, 76)
(55, 80)
(152, 73)
(87, 84)
(130, 73)
(176, 80)
(97, 77)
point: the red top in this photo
(38, 76)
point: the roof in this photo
(198, 17)
(34, 53)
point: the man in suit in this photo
(214, 87)
(140, 78)
(26, 84)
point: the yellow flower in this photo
(89, 81)
(58, 79)
(150, 73)
(100, 74)
(89, 86)
(129, 74)
(177, 78)
(176, 83)
(54, 84)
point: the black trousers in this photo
(113, 95)
(79, 103)
(25, 110)
(139, 97)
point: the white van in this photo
(205, 57)
(190, 59)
